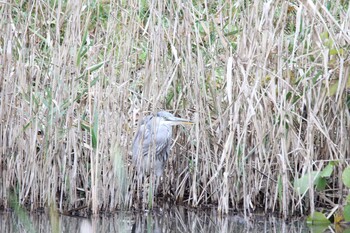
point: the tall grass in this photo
(267, 84)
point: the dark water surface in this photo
(171, 220)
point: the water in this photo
(171, 220)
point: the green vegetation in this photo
(266, 83)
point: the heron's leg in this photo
(139, 181)
(156, 185)
(145, 188)
(165, 186)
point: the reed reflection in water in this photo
(170, 220)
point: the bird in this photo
(151, 145)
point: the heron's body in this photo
(151, 146)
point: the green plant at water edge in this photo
(340, 214)
(346, 181)
(318, 178)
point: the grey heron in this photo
(151, 146)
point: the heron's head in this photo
(170, 119)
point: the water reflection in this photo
(181, 220)
(170, 220)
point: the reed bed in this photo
(267, 84)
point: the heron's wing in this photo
(152, 138)
(163, 141)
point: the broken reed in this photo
(267, 85)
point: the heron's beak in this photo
(179, 121)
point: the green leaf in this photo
(333, 88)
(96, 66)
(289, 95)
(280, 188)
(328, 43)
(94, 81)
(327, 171)
(25, 127)
(336, 52)
(318, 228)
(317, 76)
(317, 218)
(324, 35)
(85, 126)
(232, 33)
(301, 185)
(346, 177)
(348, 199)
(143, 55)
(83, 48)
(347, 213)
(321, 184)
(94, 131)
(82, 51)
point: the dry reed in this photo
(267, 84)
